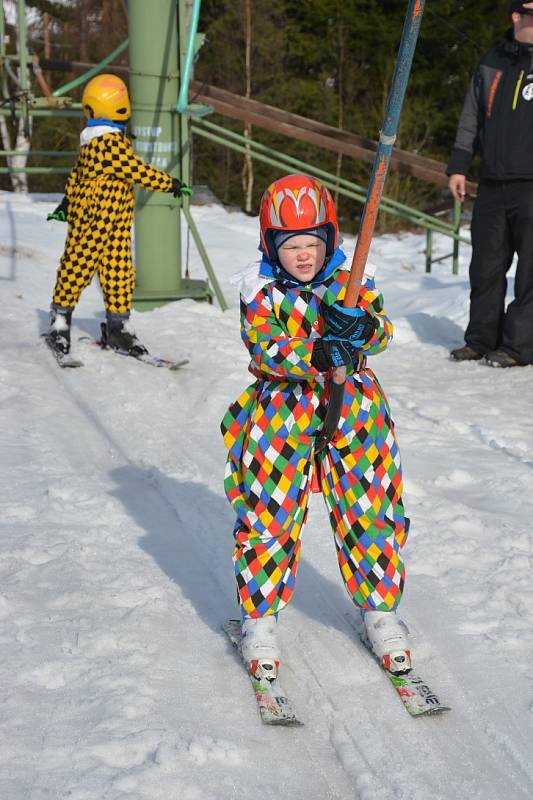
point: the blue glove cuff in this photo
(354, 312)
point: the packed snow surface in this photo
(117, 682)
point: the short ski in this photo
(415, 694)
(63, 359)
(146, 358)
(273, 704)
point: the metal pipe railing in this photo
(46, 153)
(72, 111)
(454, 255)
(11, 72)
(420, 217)
(73, 84)
(36, 170)
(183, 97)
(203, 255)
(343, 186)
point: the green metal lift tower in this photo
(157, 45)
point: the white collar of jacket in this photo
(250, 281)
(88, 134)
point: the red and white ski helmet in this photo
(297, 203)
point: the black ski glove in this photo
(179, 188)
(349, 323)
(347, 330)
(60, 213)
(330, 353)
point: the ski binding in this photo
(274, 706)
(417, 697)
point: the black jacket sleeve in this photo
(467, 129)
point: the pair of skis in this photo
(275, 707)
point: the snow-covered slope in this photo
(116, 680)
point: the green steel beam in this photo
(203, 255)
(22, 46)
(23, 77)
(161, 139)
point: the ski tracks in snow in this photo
(358, 741)
(388, 755)
(155, 547)
(116, 573)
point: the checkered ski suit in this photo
(269, 433)
(100, 197)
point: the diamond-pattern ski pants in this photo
(360, 477)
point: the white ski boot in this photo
(259, 647)
(388, 639)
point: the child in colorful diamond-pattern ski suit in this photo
(270, 430)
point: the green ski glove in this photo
(179, 188)
(60, 213)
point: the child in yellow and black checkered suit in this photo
(98, 206)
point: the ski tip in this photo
(64, 360)
(74, 364)
(232, 628)
(179, 364)
(430, 712)
(416, 695)
(231, 624)
(283, 723)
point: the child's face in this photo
(302, 256)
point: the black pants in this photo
(502, 224)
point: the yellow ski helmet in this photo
(106, 96)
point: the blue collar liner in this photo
(269, 270)
(93, 123)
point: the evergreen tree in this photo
(337, 59)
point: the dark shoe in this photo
(58, 335)
(118, 337)
(500, 358)
(465, 353)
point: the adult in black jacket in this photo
(497, 119)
